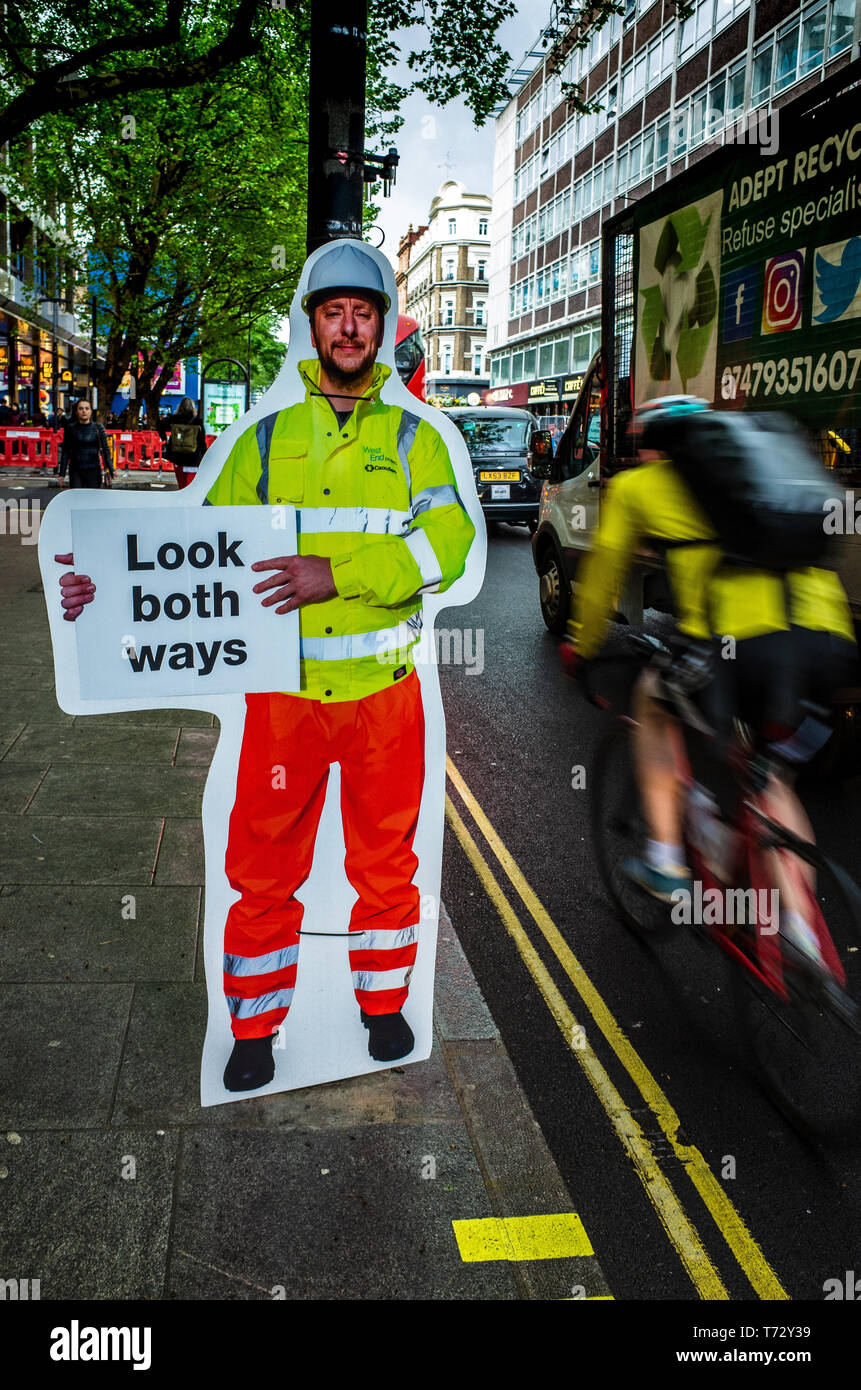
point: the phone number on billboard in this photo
(793, 376)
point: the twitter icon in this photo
(837, 281)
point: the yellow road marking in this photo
(522, 1238)
(744, 1247)
(681, 1232)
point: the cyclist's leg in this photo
(662, 869)
(655, 762)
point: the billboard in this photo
(749, 273)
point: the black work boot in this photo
(389, 1036)
(251, 1064)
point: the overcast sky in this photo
(438, 143)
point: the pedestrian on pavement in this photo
(16, 415)
(5, 412)
(83, 450)
(184, 439)
(380, 524)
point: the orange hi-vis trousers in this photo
(288, 746)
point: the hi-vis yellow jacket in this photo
(652, 503)
(378, 498)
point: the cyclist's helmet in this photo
(656, 422)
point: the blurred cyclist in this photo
(777, 639)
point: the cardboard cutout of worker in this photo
(323, 809)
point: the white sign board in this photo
(176, 612)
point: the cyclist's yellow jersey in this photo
(652, 501)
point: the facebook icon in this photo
(739, 303)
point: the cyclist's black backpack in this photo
(758, 482)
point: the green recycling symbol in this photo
(679, 313)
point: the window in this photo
(482, 267)
(735, 91)
(697, 29)
(452, 226)
(812, 40)
(545, 360)
(662, 139)
(449, 270)
(634, 157)
(697, 126)
(760, 85)
(529, 364)
(842, 20)
(581, 350)
(786, 58)
(560, 357)
(446, 360)
(648, 153)
(480, 305)
(715, 113)
(504, 370)
(448, 312)
(679, 133)
(517, 367)
(476, 361)
(482, 226)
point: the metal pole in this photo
(336, 120)
(248, 373)
(94, 347)
(55, 361)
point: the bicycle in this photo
(802, 1027)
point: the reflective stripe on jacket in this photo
(376, 496)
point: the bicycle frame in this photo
(750, 868)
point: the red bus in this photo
(410, 356)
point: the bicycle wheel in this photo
(619, 831)
(804, 1051)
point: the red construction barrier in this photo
(28, 446)
(135, 449)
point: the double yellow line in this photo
(680, 1229)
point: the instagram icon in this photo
(781, 299)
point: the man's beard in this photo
(345, 376)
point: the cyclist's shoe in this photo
(661, 882)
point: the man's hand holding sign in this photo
(300, 579)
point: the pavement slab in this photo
(131, 787)
(73, 932)
(72, 1220)
(60, 1052)
(81, 849)
(81, 743)
(340, 1214)
(180, 858)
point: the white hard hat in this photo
(346, 269)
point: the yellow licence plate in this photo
(498, 477)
